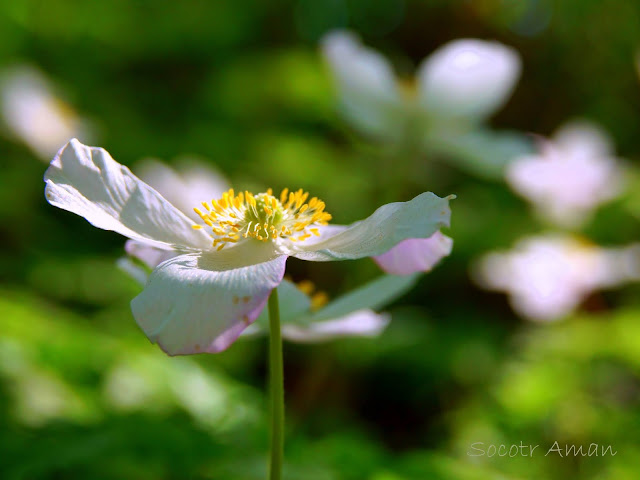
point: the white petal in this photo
(151, 256)
(377, 234)
(362, 323)
(88, 182)
(359, 68)
(582, 138)
(188, 306)
(365, 81)
(186, 187)
(415, 254)
(468, 78)
(347, 315)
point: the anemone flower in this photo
(454, 90)
(574, 172)
(304, 316)
(227, 265)
(547, 277)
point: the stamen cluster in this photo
(263, 216)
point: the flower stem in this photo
(276, 377)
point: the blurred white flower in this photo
(547, 277)
(35, 114)
(461, 83)
(573, 173)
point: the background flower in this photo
(574, 173)
(547, 277)
(36, 114)
(454, 90)
(464, 81)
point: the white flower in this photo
(461, 83)
(548, 277)
(202, 299)
(302, 318)
(35, 114)
(574, 172)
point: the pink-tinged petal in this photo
(88, 182)
(389, 225)
(190, 305)
(415, 255)
(361, 323)
(571, 175)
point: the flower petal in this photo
(187, 187)
(384, 229)
(365, 81)
(415, 254)
(583, 139)
(362, 323)
(189, 306)
(88, 182)
(348, 315)
(468, 78)
(151, 256)
(570, 176)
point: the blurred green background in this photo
(241, 84)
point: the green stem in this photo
(276, 377)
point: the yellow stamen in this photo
(319, 300)
(262, 217)
(306, 286)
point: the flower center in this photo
(263, 216)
